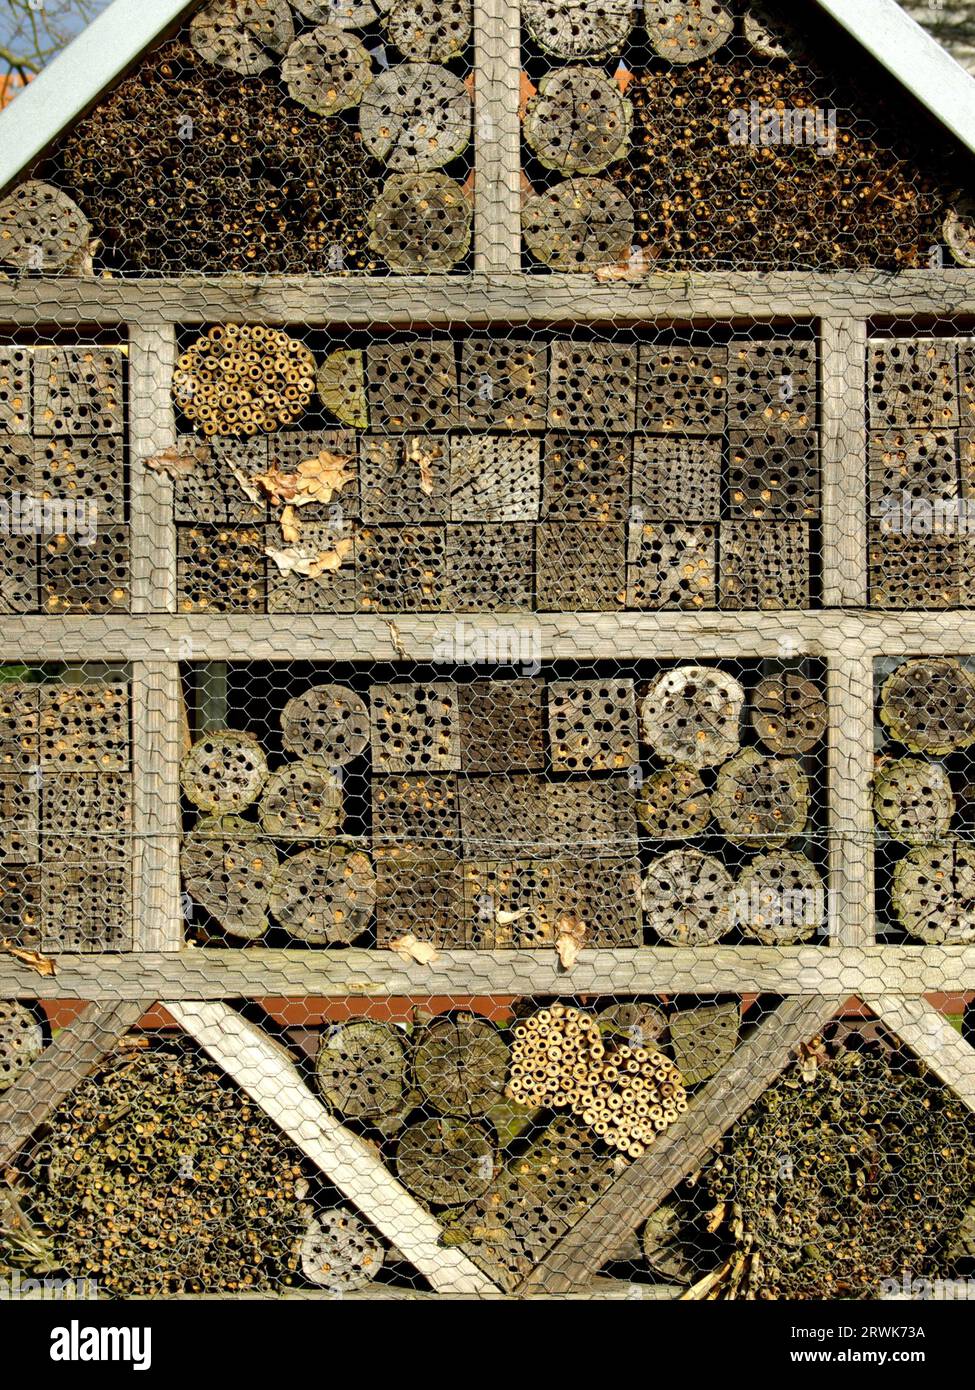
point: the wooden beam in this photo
(843, 393)
(849, 684)
(497, 176)
(641, 1187)
(152, 428)
(929, 1034)
(74, 1052)
(266, 1072)
(156, 754)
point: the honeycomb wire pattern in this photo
(493, 707)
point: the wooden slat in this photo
(843, 370)
(152, 428)
(641, 1187)
(497, 178)
(849, 684)
(265, 1071)
(929, 1034)
(156, 751)
(74, 1052)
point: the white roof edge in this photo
(78, 75)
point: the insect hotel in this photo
(487, 665)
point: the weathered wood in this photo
(152, 430)
(674, 804)
(958, 230)
(416, 813)
(676, 478)
(416, 117)
(582, 224)
(761, 802)
(586, 477)
(21, 1041)
(324, 896)
(788, 713)
(703, 1038)
(692, 714)
(592, 725)
(687, 898)
(77, 390)
(501, 725)
(780, 899)
(227, 868)
(843, 374)
(578, 122)
(236, 35)
(671, 566)
(361, 1070)
(933, 893)
(328, 70)
(224, 771)
(578, 28)
(271, 1079)
(763, 564)
(773, 473)
(850, 697)
(913, 800)
(460, 1065)
(928, 705)
(342, 386)
(156, 752)
(421, 223)
(415, 727)
(429, 31)
(302, 801)
(339, 1252)
(684, 31)
(930, 1035)
(445, 1161)
(42, 229)
(912, 382)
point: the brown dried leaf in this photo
(410, 949)
(179, 460)
(290, 525)
(423, 456)
(42, 964)
(571, 938)
(252, 493)
(313, 564)
(280, 487)
(321, 477)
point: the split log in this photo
(429, 31)
(958, 230)
(674, 804)
(227, 868)
(327, 70)
(421, 223)
(788, 713)
(687, 898)
(302, 802)
(325, 896)
(224, 771)
(416, 117)
(692, 714)
(339, 1252)
(446, 1162)
(760, 801)
(579, 28)
(361, 1071)
(933, 894)
(685, 31)
(579, 121)
(770, 35)
(42, 229)
(460, 1065)
(579, 225)
(703, 1038)
(928, 705)
(913, 800)
(327, 725)
(342, 387)
(21, 1040)
(780, 899)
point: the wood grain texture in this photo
(497, 137)
(843, 368)
(928, 1033)
(152, 428)
(156, 751)
(850, 697)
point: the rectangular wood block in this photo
(415, 726)
(491, 567)
(77, 391)
(19, 818)
(912, 382)
(586, 477)
(86, 575)
(676, 479)
(221, 569)
(503, 384)
(416, 813)
(88, 473)
(502, 725)
(84, 728)
(212, 491)
(683, 389)
(20, 706)
(592, 725)
(592, 386)
(912, 463)
(412, 386)
(772, 383)
(404, 478)
(763, 564)
(335, 590)
(15, 390)
(494, 478)
(773, 473)
(580, 566)
(672, 566)
(420, 896)
(908, 571)
(402, 569)
(503, 816)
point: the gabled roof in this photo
(104, 51)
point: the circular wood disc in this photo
(21, 1041)
(361, 1070)
(641, 1024)
(579, 121)
(324, 896)
(421, 223)
(339, 1252)
(768, 33)
(224, 771)
(913, 800)
(41, 228)
(327, 725)
(227, 868)
(928, 705)
(580, 224)
(692, 715)
(429, 31)
(327, 70)
(416, 117)
(236, 34)
(578, 28)
(347, 14)
(760, 801)
(958, 231)
(342, 387)
(460, 1065)
(684, 31)
(788, 713)
(302, 801)
(934, 894)
(673, 804)
(780, 899)
(445, 1161)
(687, 898)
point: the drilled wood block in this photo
(676, 478)
(19, 818)
(773, 473)
(592, 386)
(491, 567)
(502, 726)
(220, 569)
(763, 564)
(966, 384)
(912, 572)
(683, 390)
(580, 566)
(20, 706)
(87, 818)
(402, 569)
(86, 908)
(602, 894)
(966, 463)
(671, 566)
(17, 464)
(77, 391)
(913, 382)
(416, 813)
(212, 491)
(15, 393)
(772, 383)
(335, 590)
(19, 574)
(510, 902)
(503, 384)
(412, 386)
(493, 478)
(592, 725)
(81, 574)
(966, 570)
(593, 818)
(89, 473)
(404, 478)
(422, 897)
(20, 905)
(912, 463)
(415, 727)
(503, 817)
(586, 477)
(84, 728)
(289, 450)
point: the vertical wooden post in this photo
(152, 428)
(497, 137)
(156, 749)
(843, 381)
(851, 847)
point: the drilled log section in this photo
(237, 34)
(592, 725)
(913, 800)
(416, 117)
(302, 802)
(16, 415)
(788, 713)
(578, 122)
(421, 223)
(687, 898)
(933, 893)
(429, 31)
(636, 1021)
(958, 230)
(770, 35)
(325, 896)
(692, 714)
(666, 1248)
(780, 899)
(341, 381)
(674, 804)
(240, 379)
(460, 1065)
(581, 224)
(928, 705)
(703, 1039)
(578, 28)
(327, 725)
(760, 801)
(42, 229)
(21, 1040)
(445, 1161)
(224, 772)
(327, 70)
(912, 383)
(684, 31)
(361, 1071)
(339, 1252)
(228, 869)
(347, 14)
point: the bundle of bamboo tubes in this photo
(244, 378)
(626, 1095)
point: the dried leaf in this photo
(623, 77)
(313, 564)
(321, 477)
(505, 919)
(280, 487)
(179, 460)
(252, 493)
(410, 949)
(290, 525)
(42, 964)
(572, 933)
(527, 91)
(423, 457)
